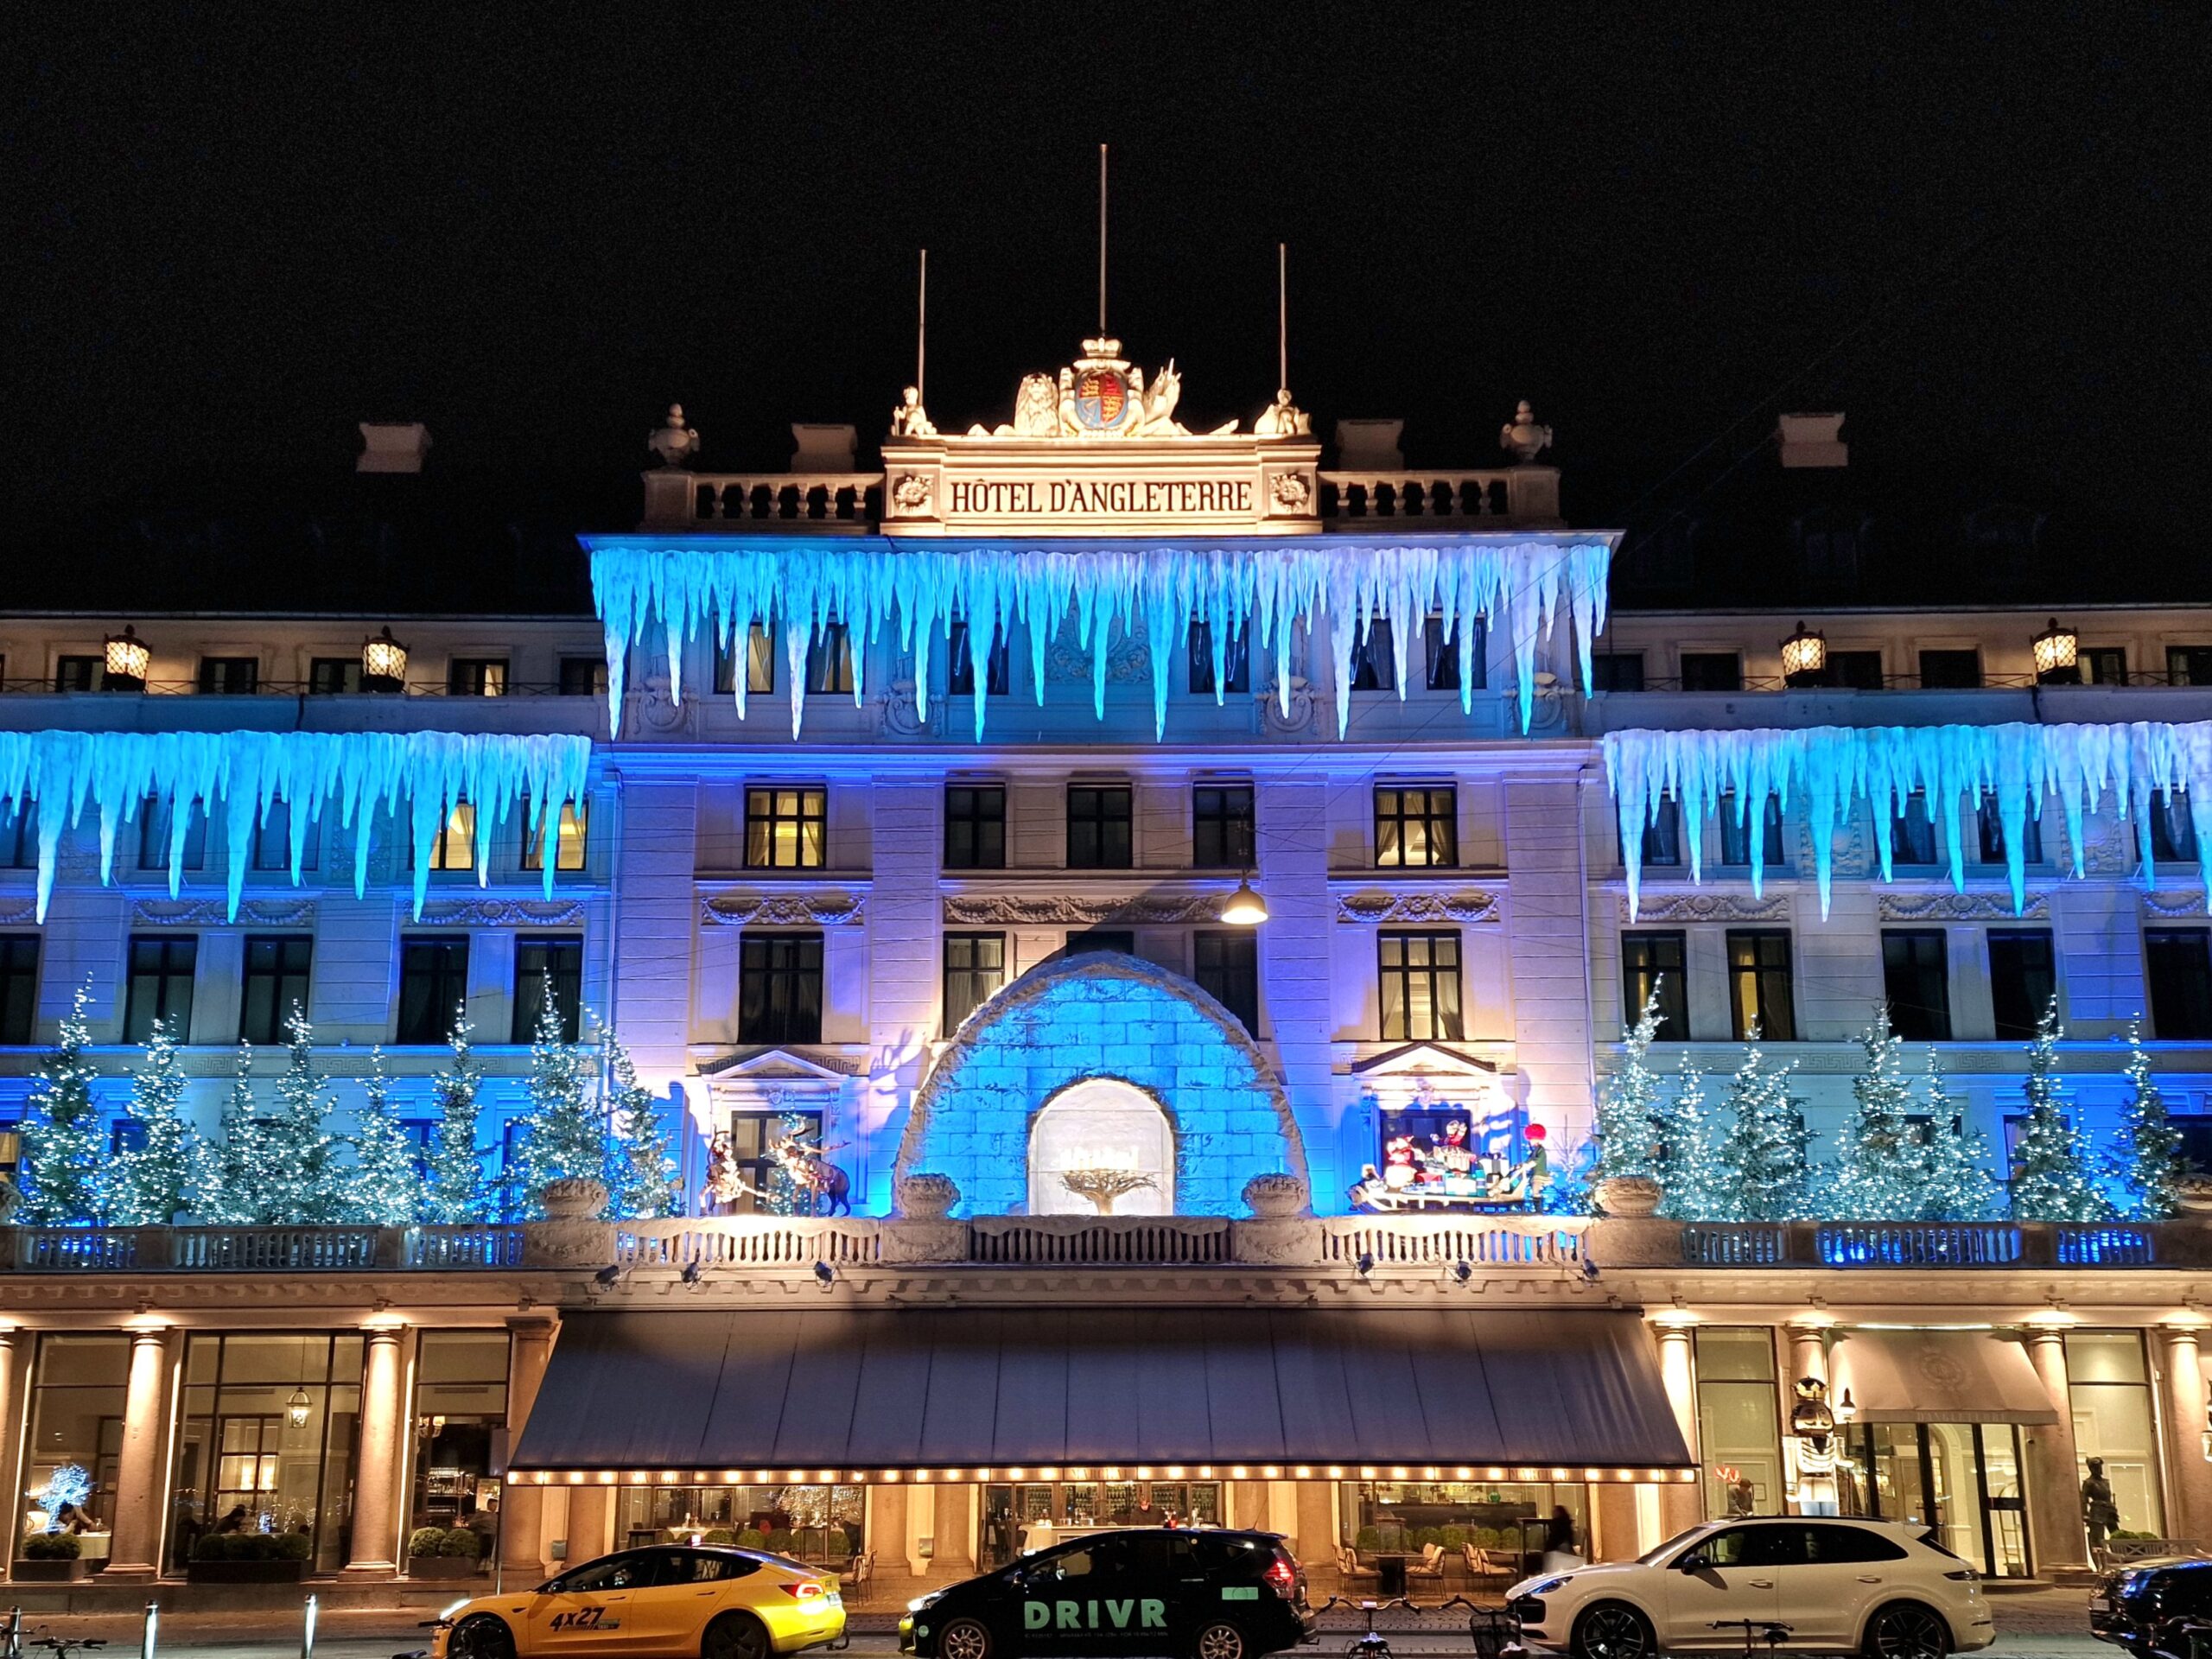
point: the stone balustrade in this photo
(819, 501)
(1451, 498)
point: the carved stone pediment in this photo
(1958, 907)
(835, 907)
(1417, 1059)
(1707, 907)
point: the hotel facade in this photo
(895, 813)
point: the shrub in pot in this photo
(50, 1558)
(718, 1535)
(753, 1538)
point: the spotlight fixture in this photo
(1244, 908)
(126, 661)
(1804, 657)
(608, 1277)
(1461, 1272)
(1590, 1270)
(1365, 1265)
(825, 1275)
(2058, 653)
(384, 663)
(693, 1272)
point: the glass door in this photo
(2004, 1502)
(1953, 1466)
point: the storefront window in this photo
(1035, 1515)
(76, 1434)
(1738, 1421)
(1960, 1479)
(460, 1418)
(1403, 1518)
(823, 1526)
(266, 1442)
(2110, 1387)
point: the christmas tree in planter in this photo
(151, 1185)
(226, 1169)
(641, 1173)
(1626, 1132)
(2146, 1167)
(563, 1128)
(459, 1195)
(1956, 1181)
(2053, 1181)
(1763, 1158)
(295, 1163)
(384, 1187)
(1878, 1164)
(63, 1171)
(1693, 1177)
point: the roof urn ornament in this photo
(909, 419)
(1523, 437)
(673, 443)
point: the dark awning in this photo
(861, 1389)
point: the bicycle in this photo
(1490, 1630)
(1372, 1644)
(61, 1646)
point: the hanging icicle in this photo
(1828, 770)
(722, 589)
(235, 777)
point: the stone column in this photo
(1613, 1521)
(11, 1430)
(956, 1542)
(1317, 1537)
(521, 1507)
(2189, 1477)
(591, 1522)
(140, 1504)
(376, 1480)
(1681, 1503)
(1808, 1357)
(2053, 1476)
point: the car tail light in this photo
(1281, 1577)
(1964, 1575)
(804, 1590)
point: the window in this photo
(780, 988)
(759, 663)
(1226, 964)
(1990, 826)
(1856, 670)
(1443, 651)
(1662, 837)
(1738, 1426)
(229, 677)
(1759, 989)
(548, 965)
(2021, 979)
(2108, 1392)
(125, 1135)
(455, 847)
(1098, 827)
(477, 676)
(2179, 961)
(1950, 670)
(1653, 961)
(423, 1135)
(1916, 978)
(975, 969)
(333, 677)
(2173, 828)
(161, 985)
(786, 828)
(1416, 828)
(77, 673)
(974, 826)
(829, 661)
(276, 979)
(154, 835)
(1912, 833)
(1221, 827)
(2188, 665)
(583, 677)
(1374, 667)
(1712, 670)
(1616, 670)
(1420, 987)
(1093, 940)
(2102, 664)
(18, 987)
(960, 673)
(1736, 835)
(567, 831)
(272, 840)
(18, 835)
(433, 985)
(1825, 1545)
(1235, 661)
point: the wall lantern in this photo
(384, 663)
(127, 661)
(298, 1406)
(2057, 650)
(1804, 657)
(1244, 908)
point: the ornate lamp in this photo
(127, 660)
(384, 663)
(1804, 657)
(2056, 650)
(1245, 908)
(298, 1406)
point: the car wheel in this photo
(1613, 1630)
(1220, 1640)
(964, 1638)
(481, 1636)
(1905, 1629)
(735, 1636)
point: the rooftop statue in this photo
(673, 443)
(1282, 419)
(909, 419)
(1521, 437)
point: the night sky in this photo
(237, 230)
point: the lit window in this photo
(454, 849)
(569, 838)
(786, 828)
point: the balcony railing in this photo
(260, 1249)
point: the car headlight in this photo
(1546, 1586)
(447, 1612)
(918, 1603)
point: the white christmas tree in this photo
(63, 1171)
(563, 1130)
(1879, 1168)
(294, 1157)
(149, 1186)
(459, 1195)
(641, 1173)
(226, 1172)
(1626, 1133)
(383, 1187)
(1956, 1181)
(2053, 1182)
(2146, 1167)
(1764, 1153)
(1692, 1175)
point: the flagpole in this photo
(1102, 241)
(922, 333)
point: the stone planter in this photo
(925, 1196)
(245, 1571)
(441, 1567)
(1631, 1198)
(2195, 1197)
(577, 1199)
(1275, 1196)
(52, 1571)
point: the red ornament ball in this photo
(1534, 1132)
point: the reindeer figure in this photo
(809, 1169)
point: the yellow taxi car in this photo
(666, 1601)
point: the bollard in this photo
(12, 1645)
(307, 1635)
(153, 1626)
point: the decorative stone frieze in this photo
(214, 912)
(504, 912)
(1068, 909)
(1958, 907)
(1708, 907)
(2173, 904)
(830, 909)
(1373, 905)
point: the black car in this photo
(1203, 1594)
(2148, 1607)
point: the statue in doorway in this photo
(2099, 1514)
(1102, 1186)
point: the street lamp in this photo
(1804, 657)
(2057, 653)
(127, 659)
(1245, 908)
(384, 663)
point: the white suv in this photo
(1839, 1586)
